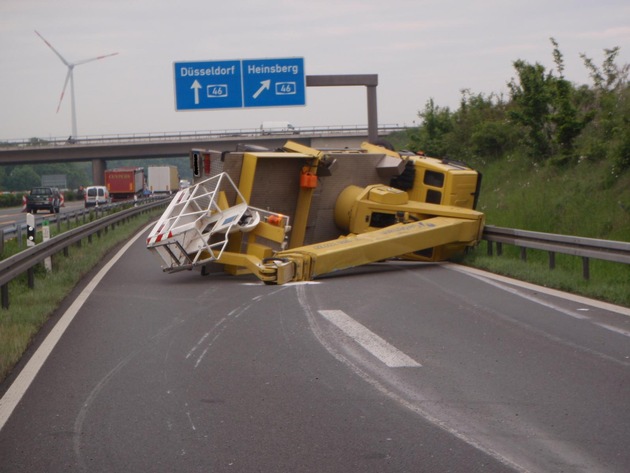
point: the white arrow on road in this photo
(264, 84)
(196, 85)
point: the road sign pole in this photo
(31, 229)
(46, 237)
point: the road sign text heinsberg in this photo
(239, 83)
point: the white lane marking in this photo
(385, 387)
(618, 330)
(502, 283)
(15, 393)
(545, 290)
(388, 354)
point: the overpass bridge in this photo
(100, 149)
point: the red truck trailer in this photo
(124, 183)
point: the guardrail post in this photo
(489, 248)
(499, 248)
(18, 227)
(586, 270)
(1, 241)
(523, 253)
(31, 277)
(552, 260)
(5, 295)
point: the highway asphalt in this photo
(391, 367)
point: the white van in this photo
(272, 128)
(97, 195)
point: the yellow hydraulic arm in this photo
(398, 240)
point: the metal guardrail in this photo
(586, 248)
(25, 261)
(18, 230)
(189, 135)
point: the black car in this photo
(48, 198)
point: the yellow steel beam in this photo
(389, 242)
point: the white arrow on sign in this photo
(196, 85)
(264, 84)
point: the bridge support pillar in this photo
(370, 81)
(98, 171)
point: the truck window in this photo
(434, 197)
(434, 179)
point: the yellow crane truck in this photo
(297, 213)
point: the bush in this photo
(13, 199)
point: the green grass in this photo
(29, 308)
(583, 200)
(608, 281)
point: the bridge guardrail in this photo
(25, 261)
(189, 135)
(586, 248)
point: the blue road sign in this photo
(274, 82)
(239, 83)
(203, 85)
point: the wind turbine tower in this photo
(70, 78)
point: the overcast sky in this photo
(419, 50)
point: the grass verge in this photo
(608, 281)
(30, 308)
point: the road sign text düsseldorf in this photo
(239, 83)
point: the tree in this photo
(481, 131)
(23, 178)
(608, 136)
(431, 135)
(550, 108)
(531, 95)
(568, 122)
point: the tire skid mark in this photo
(224, 323)
(91, 398)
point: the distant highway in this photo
(391, 367)
(14, 215)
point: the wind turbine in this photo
(70, 78)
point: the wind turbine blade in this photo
(94, 59)
(54, 50)
(65, 85)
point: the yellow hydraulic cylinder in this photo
(395, 240)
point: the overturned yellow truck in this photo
(297, 213)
